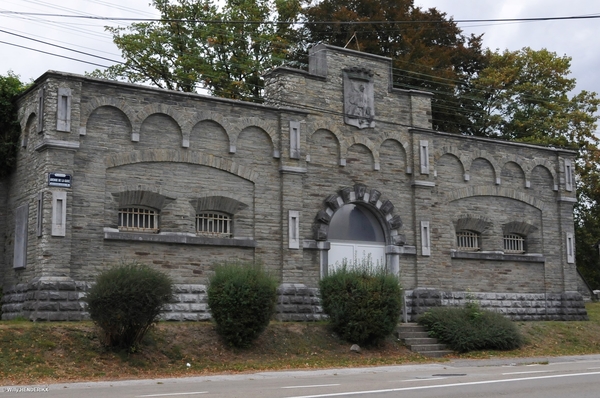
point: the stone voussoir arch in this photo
(360, 140)
(162, 109)
(211, 117)
(498, 191)
(98, 102)
(342, 147)
(269, 127)
(530, 165)
(453, 151)
(179, 156)
(363, 195)
(395, 136)
(485, 155)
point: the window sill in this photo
(498, 256)
(176, 237)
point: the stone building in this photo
(337, 164)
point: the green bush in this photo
(126, 301)
(363, 303)
(470, 328)
(242, 299)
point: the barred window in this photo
(138, 219)
(213, 224)
(514, 243)
(467, 240)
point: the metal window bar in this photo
(138, 219)
(213, 224)
(467, 241)
(514, 243)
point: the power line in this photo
(493, 20)
(54, 55)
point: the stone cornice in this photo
(57, 144)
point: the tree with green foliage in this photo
(200, 44)
(427, 48)
(10, 88)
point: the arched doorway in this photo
(355, 235)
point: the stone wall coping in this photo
(293, 170)
(566, 199)
(423, 183)
(175, 237)
(56, 144)
(499, 256)
(394, 249)
(570, 152)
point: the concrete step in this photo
(417, 340)
(425, 340)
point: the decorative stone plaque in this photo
(359, 107)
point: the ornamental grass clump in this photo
(126, 301)
(242, 298)
(471, 328)
(362, 301)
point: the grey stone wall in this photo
(566, 306)
(177, 150)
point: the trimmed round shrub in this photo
(471, 328)
(126, 301)
(363, 303)
(242, 298)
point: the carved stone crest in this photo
(359, 107)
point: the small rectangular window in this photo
(40, 111)
(570, 248)
(63, 110)
(425, 239)
(138, 219)
(20, 246)
(514, 243)
(467, 241)
(213, 224)
(294, 229)
(295, 140)
(424, 156)
(568, 175)
(59, 213)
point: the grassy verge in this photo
(52, 352)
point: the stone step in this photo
(424, 340)
(421, 348)
(417, 340)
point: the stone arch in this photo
(483, 154)
(153, 109)
(209, 120)
(445, 172)
(312, 147)
(371, 198)
(142, 197)
(403, 145)
(472, 172)
(342, 146)
(530, 166)
(26, 129)
(266, 134)
(454, 151)
(495, 191)
(176, 156)
(468, 222)
(213, 117)
(513, 171)
(267, 126)
(367, 143)
(121, 104)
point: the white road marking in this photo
(523, 373)
(422, 379)
(172, 394)
(472, 383)
(313, 386)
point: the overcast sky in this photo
(575, 38)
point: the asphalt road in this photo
(525, 377)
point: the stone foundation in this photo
(60, 299)
(567, 306)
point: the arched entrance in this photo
(356, 237)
